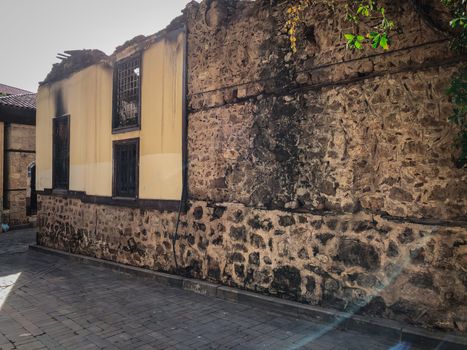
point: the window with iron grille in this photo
(125, 168)
(61, 153)
(127, 94)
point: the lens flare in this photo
(6, 286)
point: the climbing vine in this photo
(379, 27)
(458, 9)
(378, 35)
(294, 18)
(356, 12)
(457, 91)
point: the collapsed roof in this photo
(73, 61)
(76, 60)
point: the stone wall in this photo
(369, 146)
(20, 147)
(326, 129)
(326, 177)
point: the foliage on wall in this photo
(458, 88)
(458, 93)
(378, 35)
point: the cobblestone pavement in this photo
(47, 302)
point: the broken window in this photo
(125, 167)
(61, 152)
(127, 94)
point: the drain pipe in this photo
(175, 236)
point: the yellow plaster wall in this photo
(87, 98)
(162, 109)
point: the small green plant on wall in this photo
(379, 28)
(378, 35)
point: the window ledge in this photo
(125, 199)
(126, 129)
(60, 191)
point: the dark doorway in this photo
(31, 208)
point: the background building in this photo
(17, 153)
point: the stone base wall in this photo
(360, 263)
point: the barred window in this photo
(125, 168)
(127, 94)
(61, 153)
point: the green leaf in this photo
(384, 42)
(376, 41)
(349, 36)
(454, 23)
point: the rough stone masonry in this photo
(325, 177)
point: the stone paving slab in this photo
(47, 302)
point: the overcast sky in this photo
(34, 31)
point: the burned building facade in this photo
(210, 150)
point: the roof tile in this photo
(10, 90)
(27, 101)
